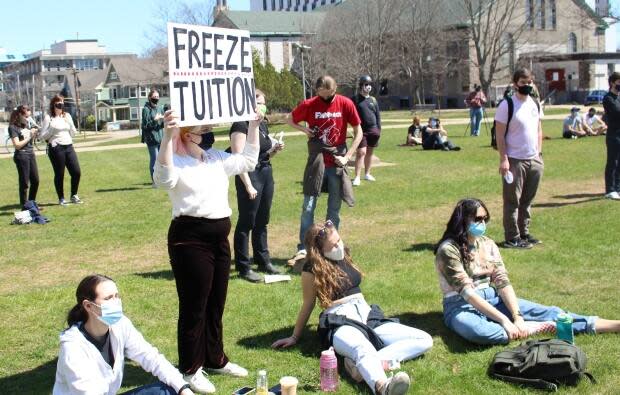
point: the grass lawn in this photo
(121, 231)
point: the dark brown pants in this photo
(200, 259)
(519, 195)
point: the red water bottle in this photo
(329, 371)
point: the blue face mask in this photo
(111, 311)
(477, 229)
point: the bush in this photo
(283, 89)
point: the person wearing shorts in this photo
(368, 110)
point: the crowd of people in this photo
(479, 301)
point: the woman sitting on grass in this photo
(414, 133)
(99, 337)
(330, 276)
(479, 303)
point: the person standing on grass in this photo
(479, 301)
(254, 195)
(368, 111)
(358, 331)
(152, 127)
(476, 101)
(197, 183)
(611, 104)
(58, 130)
(99, 338)
(519, 143)
(327, 116)
(21, 137)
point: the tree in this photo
(282, 89)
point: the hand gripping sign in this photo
(211, 76)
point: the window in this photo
(529, 13)
(133, 91)
(572, 43)
(134, 113)
(114, 93)
(540, 14)
(113, 76)
(551, 14)
(143, 91)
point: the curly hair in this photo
(328, 278)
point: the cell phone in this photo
(244, 390)
(276, 389)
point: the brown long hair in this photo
(86, 290)
(16, 114)
(56, 99)
(328, 278)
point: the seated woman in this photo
(414, 134)
(435, 137)
(330, 276)
(94, 347)
(479, 303)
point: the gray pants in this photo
(519, 195)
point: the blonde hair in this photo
(328, 278)
(416, 120)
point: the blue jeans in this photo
(401, 342)
(475, 114)
(469, 323)
(334, 201)
(153, 150)
(157, 388)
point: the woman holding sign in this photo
(197, 183)
(254, 196)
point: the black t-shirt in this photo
(351, 282)
(263, 138)
(415, 130)
(368, 110)
(15, 131)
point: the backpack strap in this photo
(511, 110)
(590, 377)
(536, 383)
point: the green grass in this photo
(121, 231)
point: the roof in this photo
(134, 71)
(265, 23)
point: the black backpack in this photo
(511, 110)
(543, 364)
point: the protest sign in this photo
(211, 76)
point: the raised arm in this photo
(309, 300)
(164, 174)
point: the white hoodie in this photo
(82, 370)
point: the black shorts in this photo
(370, 139)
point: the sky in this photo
(120, 25)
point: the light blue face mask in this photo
(111, 311)
(477, 229)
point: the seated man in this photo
(435, 137)
(572, 128)
(593, 124)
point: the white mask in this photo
(336, 253)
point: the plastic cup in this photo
(288, 384)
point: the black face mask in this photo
(328, 99)
(154, 101)
(207, 141)
(525, 90)
(59, 106)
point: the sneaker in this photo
(369, 177)
(75, 199)
(231, 369)
(456, 148)
(63, 202)
(517, 242)
(356, 182)
(269, 269)
(613, 195)
(251, 276)
(351, 368)
(199, 382)
(540, 328)
(299, 255)
(397, 384)
(531, 239)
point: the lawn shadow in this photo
(159, 275)
(598, 196)
(419, 247)
(10, 209)
(308, 344)
(35, 381)
(125, 189)
(432, 323)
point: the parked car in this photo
(595, 97)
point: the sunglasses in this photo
(323, 231)
(481, 218)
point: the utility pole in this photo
(77, 98)
(33, 92)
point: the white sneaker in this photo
(613, 195)
(231, 369)
(299, 255)
(356, 182)
(369, 177)
(199, 382)
(75, 199)
(397, 384)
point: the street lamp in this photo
(303, 48)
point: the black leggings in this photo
(61, 156)
(612, 168)
(28, 176)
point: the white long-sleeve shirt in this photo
(81, 370)
(58, 130)
(199, 188)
